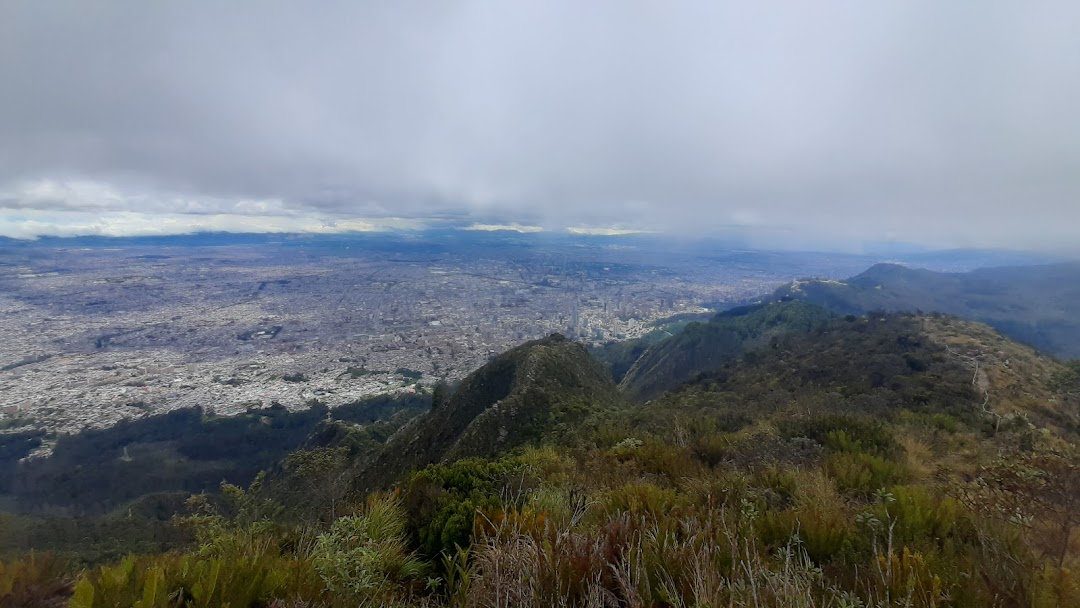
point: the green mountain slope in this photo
(185, 450)
(702, 347)
(865, 366)
(539, 390)
(1038, 305)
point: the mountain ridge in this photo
(532, 391)
(1038, 305)
(704, 345)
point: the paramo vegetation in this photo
(875, 461)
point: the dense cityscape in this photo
(98, 334)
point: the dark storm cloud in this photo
(940, 122)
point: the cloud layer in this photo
(911, 120)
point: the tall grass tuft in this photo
(35, 581)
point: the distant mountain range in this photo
(1037, 305)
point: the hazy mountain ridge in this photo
(1038, 305)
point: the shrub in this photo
(441, 501)
(657, 457)
(472, 474)
(641, 499)
(920, 515)
(253, 577)
(548, 465)
(822, 533)
(819, 523)
(932, 420)
(1053, 586)
(35, 581)
(865, 434)
(861, 474)
(774, 487)
(717, 488)
(713, 448)
(365, 556)
(452, 523)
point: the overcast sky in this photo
(937, 122)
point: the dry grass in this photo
(635, 561)
(918, 456)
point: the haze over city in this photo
(827, 125)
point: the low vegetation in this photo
(848, 462)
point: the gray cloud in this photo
(922, 121)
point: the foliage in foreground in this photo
(796, 476)
(644, 522)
